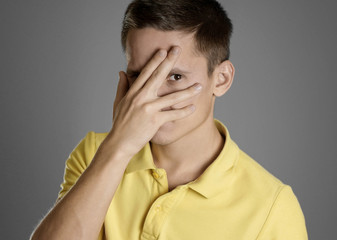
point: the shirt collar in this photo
(215, 179)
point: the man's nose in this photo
(165, 90)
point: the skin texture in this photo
(184, 147)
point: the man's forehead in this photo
(142, 44)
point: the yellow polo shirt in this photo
(235, 198)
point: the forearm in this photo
(80, 214)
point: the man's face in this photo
(189, 69)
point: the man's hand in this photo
(137, 114)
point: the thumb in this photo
(122, 89)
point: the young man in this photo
(167, 169)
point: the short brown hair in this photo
(206, 18)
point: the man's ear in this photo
(224, 75)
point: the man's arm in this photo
(137, 117)
(80, 213)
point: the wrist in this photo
(116, 148)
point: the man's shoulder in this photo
(254, 178)
(264, 195)
(252, 167)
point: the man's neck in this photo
(187, 158)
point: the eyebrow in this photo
(131, 72)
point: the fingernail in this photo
(198, 87)
(162, 53)
(175, 50)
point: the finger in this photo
(176, 114)
(147, 71)
(160, 74)
(177, 97)
(122, 89)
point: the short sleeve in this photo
(78, 160)
(285, 219)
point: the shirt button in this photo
(158, 208)
(155, 175)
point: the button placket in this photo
(160, 210)
(160, 176)
(155, 175)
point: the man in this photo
(167, 169)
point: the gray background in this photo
(59, 72)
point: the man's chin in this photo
(164, 135)
(166, 126)
(161, 140)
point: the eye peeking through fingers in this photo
(176, 77)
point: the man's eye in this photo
(175, 77)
